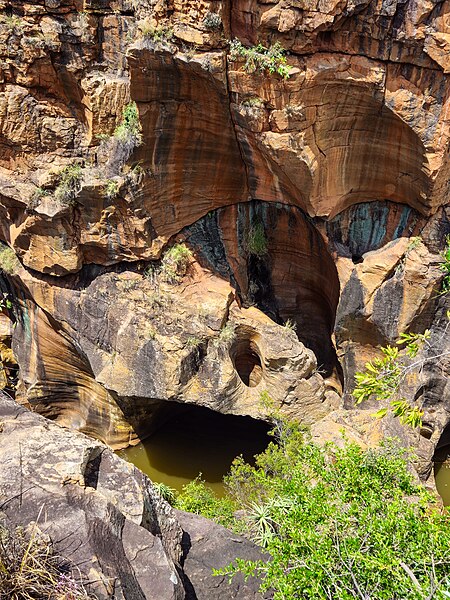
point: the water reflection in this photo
(198, 441)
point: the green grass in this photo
(445, 267)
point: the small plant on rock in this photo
(175, 263)
(129, 132)
(259, 58)
(226, 335)
(212, 21)
(9, 263)
(256, 240)
(111, 189)
(69, 183)
(158, 34)
(166, 492)
(290, 324)
(445, 267)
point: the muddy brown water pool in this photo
(198, 441)
(442, 478)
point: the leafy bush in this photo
(383, 377)
(256, 240)
(212, 21)
(129, 132)
(69, 183)
(30, 571)
(9, 263)
(175, 263)
(260, 58)
(197, 498)
(337, 523)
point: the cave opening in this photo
(441, 460)
(193, 440)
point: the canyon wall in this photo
(319, 201)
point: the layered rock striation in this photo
(320, 200)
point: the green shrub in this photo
(259, 58)
(9, 263)
(337, 523)
(256, 240)
(175, 263)
(198, 498)
(129, 132)
(69, 183)
(14, 23)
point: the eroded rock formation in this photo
(320, 200)
(104, 516)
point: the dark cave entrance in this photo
(192, 440)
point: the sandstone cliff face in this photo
(339, 170)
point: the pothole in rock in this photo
(195, 440)
(245, 356)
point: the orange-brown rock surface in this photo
(320, 200)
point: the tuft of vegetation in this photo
(227, 335)
(161, 34)
(445, 267)
(290, 324)
(253, 102)
(256, 240)
(9, 263)
(175, 263)
(166, 492)
(30, 571)
(193, 342)
(14, 23)
(111, 189)
(262, 59)
(37, 196)
(337, 523)
(69, 183)
(129, 132)
(212, 21)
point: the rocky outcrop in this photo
(320, 200)
(104, 516)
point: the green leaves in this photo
(337, 520)
(383, 377)
(260, 58)
(445, 267)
